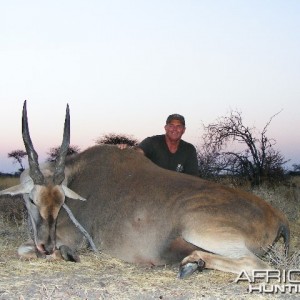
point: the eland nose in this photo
(46, 249)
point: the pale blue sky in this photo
(124, 66)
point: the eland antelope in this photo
(141, 213)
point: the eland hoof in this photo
(189, 268)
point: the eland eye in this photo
(31, 201)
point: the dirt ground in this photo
(103, 277)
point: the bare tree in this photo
(210, 162)
(18, 156)
(53, 152)
(259, 162)
(116, 139)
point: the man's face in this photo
(174, 130)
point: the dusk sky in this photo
(124, 66)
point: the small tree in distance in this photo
(116, 139)
(53, 152)
(18, 156)
(296, 169)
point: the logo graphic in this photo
(271, 281)
(179, 168)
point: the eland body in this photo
(141, 213)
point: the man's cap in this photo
(176, 117)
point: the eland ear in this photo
(17, 190)
(71, 194)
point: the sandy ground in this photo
(103, 277)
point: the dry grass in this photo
(285, 197)
(296, 180)
(277, 258)
(103, 277)
(12, 210)
(8, 181)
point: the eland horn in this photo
(59, 173)
(35, 172)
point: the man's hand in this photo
(124, 146)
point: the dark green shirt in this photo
(184, 160)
